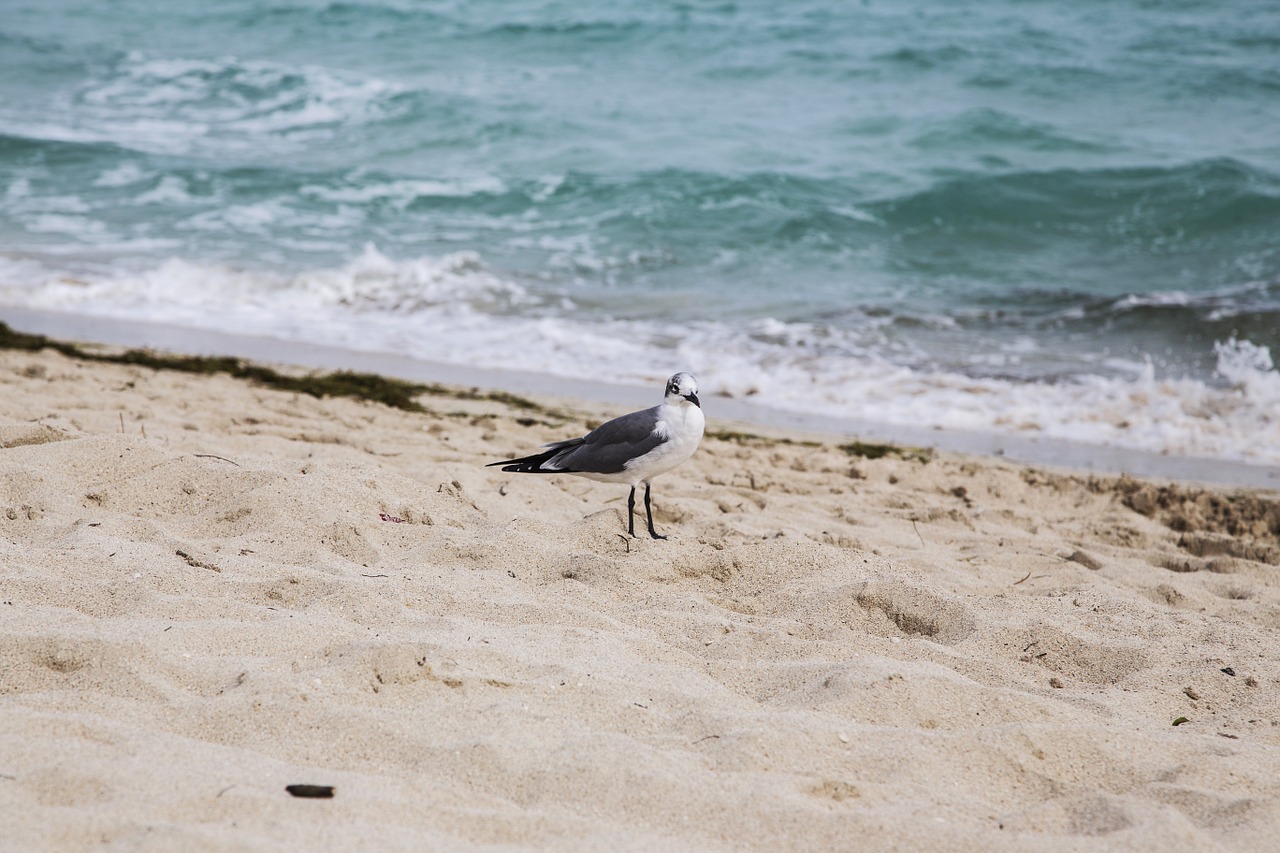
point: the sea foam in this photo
(456, 309)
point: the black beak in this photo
(693, 398)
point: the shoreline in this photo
(735, 414)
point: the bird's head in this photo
(682, 388)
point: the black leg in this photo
(631, 513)
(648, 511)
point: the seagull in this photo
(632, 449)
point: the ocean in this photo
(1045, 219)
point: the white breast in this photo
(682, 425)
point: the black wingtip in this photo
(530, 464)
(514, 465)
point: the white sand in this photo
(201, 603)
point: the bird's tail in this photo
(530, 464)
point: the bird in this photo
(631, 449)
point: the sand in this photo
(210, 590)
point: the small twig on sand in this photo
(917, 530)
(1024, 577)
(214, 456)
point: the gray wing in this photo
(609, 447)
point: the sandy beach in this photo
(211, 590)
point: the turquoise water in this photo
(1061, 219)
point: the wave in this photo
(1208, 224)
(456, 309)
(213, 107)
(1179, 202)
(1026, 249)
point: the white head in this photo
(682, 388)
